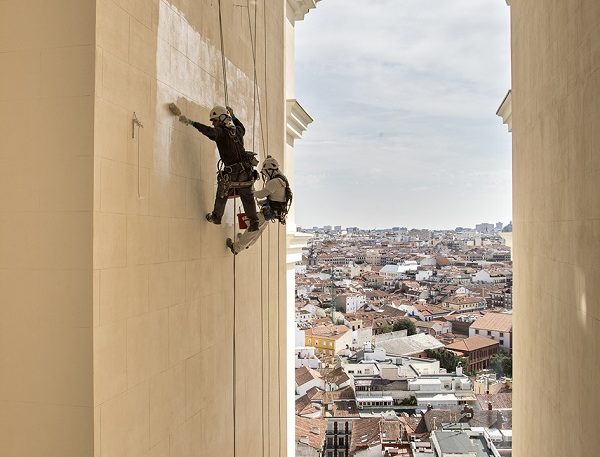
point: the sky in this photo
(404, 95)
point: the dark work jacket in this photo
(230, 143)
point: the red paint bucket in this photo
(242, 221)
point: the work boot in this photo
(211, 218)
(253, 227)
(229, 243)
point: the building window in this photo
(341, 441)
(476, 332)
(501, 333)
(489, 332)
(501, 341)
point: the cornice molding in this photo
(505, 110)
(297, 9)
(296, 241)
(297, 119)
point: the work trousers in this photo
(246, 194)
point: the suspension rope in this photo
(254, 41)
(262, 312)
(223, 57)
(262, 350)
(265, 151)
(279, 332)
(269, 330)
(266, 85)
(254, 78)
(234, 358)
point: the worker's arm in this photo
(205, 130)
(269, 188)
(238, 124)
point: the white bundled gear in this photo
(276, 190)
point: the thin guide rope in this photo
(223, 57)
(266, 84)
(255, 80)
(279, 332)
(269, 330)
(234, 400)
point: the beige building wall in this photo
(556, 176)
(121, 307)
(46, 204)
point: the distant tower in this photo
(332, 288)
(312, 257)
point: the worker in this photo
(277, 198)
(276, 192)
(237, 171)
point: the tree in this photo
(405, 324)
(385, 328)
(410, 401)
(501, 363)
(448, 359)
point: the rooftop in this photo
(311, 432)
(473, 343)
(410, 344)
(305, 374)
(327, 331)
(499, 322)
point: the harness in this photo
(238, 175)
(280, 209)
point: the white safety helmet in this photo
(269, 164)
(218, 113)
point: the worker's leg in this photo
(220, 202)
(248, 238)
(247, 196)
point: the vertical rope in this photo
(223, 57)
(262, 351)
(264, 144)
(139, 165)
(234, 358)
(255, 79)
(269, 331)
(262, 313)
(279, 331)
(266, 84)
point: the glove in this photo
(230, 111)
(184, 120)
(174, 109)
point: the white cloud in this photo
(403, 93)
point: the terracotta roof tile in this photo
(473, 343)
(305, 374)
(311, 432)
(498, 322)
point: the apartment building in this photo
(328, 339)
(497, 326)
(350, 303)
(477, 349)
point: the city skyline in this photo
(391, 227)
(405, 126)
